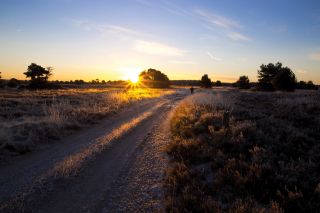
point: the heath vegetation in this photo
(240, 151)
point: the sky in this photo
(114, 39)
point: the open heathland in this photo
(242, 151)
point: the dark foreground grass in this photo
(265, 159)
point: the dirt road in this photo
(115, 166)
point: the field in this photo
(78, 150)
(29, 118)
(164, 150)
(241, 151)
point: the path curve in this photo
(116, 166)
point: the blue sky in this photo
(106, 39)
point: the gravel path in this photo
(139, 188)
(121, 171)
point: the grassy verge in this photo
(28, 118)
(264, 157)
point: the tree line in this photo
(271, 77)
(38, 79)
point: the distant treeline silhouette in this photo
(197, 83)
(271, 77)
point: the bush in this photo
(13, 82)
(205, 81)
(218, 83)
(243, 82)
(284, 80)
(306, 85)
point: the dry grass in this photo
(28, 118)
(265, 160)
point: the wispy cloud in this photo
(218, 20)
(222, 25)
(173, 8)
(119, 29)
(155, 48)
(315, 56)
(166, 5)
(212, 57)
(182, 62)
(104, 28)
(238, 36)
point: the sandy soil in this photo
(115, 166)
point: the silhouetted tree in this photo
(154, 78)
(218, 83)
(266, 74)
(243, 82)
(274, 76)
(306, 85)
(79, 81)
(205, 81)
(310, 85)
(39, 75)
(13, 82)
(285, 80)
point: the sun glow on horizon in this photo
(134, 79)
(132, 74)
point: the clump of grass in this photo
(29, 118)
(263, 161)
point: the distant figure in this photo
(191, 90)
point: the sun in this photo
(132, 74)
(134, 78)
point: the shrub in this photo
(306, 85)
(284, 80)
(243, 82)
(265, 161)
(218, 83)
(205, 81)
(13, 82)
